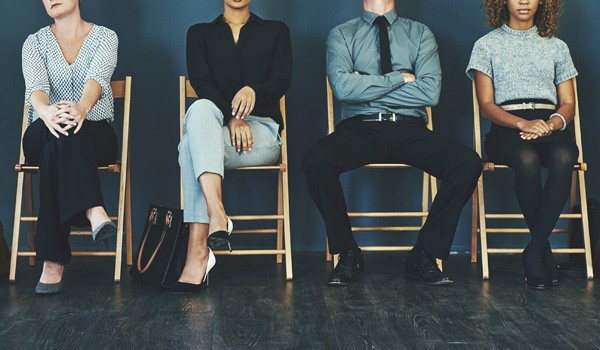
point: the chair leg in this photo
(482, 229)
(286, 227)
(16, 227)
(280, 212)
(586, 227)
(30, 225)
(425, 197)
(128, 230)
(328, 256)
(572, 203)
(474, 227)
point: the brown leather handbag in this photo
(163, 248)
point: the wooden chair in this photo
(284, 242)
(480, 216)
(120, 89)
(428, 181)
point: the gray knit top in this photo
(522, 64)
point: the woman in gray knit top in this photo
(524, 80)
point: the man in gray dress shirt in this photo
(385, 70)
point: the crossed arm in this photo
(395, 89)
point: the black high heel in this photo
(220, 238)
(188, 288)
(550, 265)
(539, 282)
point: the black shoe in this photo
(190, 288)
(220, 238)
(535, 272)
(349, 265)
(551, 270)
(422, 266)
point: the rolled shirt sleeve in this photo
(425, 90)
(199, 72)
(349, 87)
(104, 63)
(280, 75)
(34, 69)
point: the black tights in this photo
(540, 206)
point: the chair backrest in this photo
(120, 89)
(187, 91)
(331, 115)
(477, 123)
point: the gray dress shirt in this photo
(354, 46)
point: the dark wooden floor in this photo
(250, 305)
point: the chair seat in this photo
(490, 166)
(112, 168)
(281, 167)
(387, 166)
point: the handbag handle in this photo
(152, 222)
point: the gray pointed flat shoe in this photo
(48, 288)
(105, 231)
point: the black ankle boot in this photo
(550, 265)
(535, 272)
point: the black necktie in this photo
(384, 45)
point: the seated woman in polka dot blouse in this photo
(67, 68)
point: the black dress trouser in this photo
(356, 143)
(69, 180)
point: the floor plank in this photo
(250, 305)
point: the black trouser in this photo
(69, 180)
(558, 152)
(356, 143)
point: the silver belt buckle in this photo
(529, 105)
(394, 119)
(380, 117)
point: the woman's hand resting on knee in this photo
(241, 135)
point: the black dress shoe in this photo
(186, 288)
(349, 265)
(535, 271)
(190, 288)
(422, 266)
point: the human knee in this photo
(202, 109)
(472, 163)
(465, 161)
(527, 159)
(565, 156)
(314, 160)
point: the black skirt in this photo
(530, 114)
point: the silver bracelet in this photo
(561, 118)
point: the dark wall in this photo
(152, 50)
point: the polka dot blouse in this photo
(45, 69)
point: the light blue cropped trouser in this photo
(206, 147)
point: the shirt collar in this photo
(370, 17)
(253, 18)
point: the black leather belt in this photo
(389, 117)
